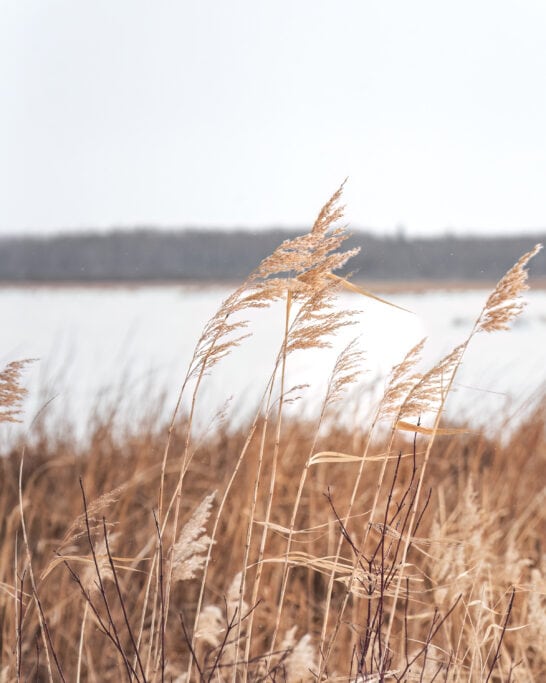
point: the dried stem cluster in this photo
(290, 551)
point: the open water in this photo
(129, 347)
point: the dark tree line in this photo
(147, 255)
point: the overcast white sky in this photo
(251, 113)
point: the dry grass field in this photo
(397, 550)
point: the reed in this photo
(287, 550)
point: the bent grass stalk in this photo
(401, 383)
(501, 308)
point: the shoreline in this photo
(376, 286)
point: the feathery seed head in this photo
(504, 303)
(210, 625)
(300, 661)
(431, 390)
(403, 380)
(11, 391)
(189, 552)
(346, 371)
(300, 268)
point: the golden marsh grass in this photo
(287, 550)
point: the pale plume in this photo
(431, 390)
(210, 625)
(299, 267)
(402, 380)
(213, 623)
(91, 517)
(505, 303)
(12, 392)
(189, 552)
(301, 662)
(311, 257)
(232, 600)
(346, 371)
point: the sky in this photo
(250, 113)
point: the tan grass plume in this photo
(12, 392)
(505, 303)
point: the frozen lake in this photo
(98, 345)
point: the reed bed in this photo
(395, 549)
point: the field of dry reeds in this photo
(398, 549)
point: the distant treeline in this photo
(147, 255)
